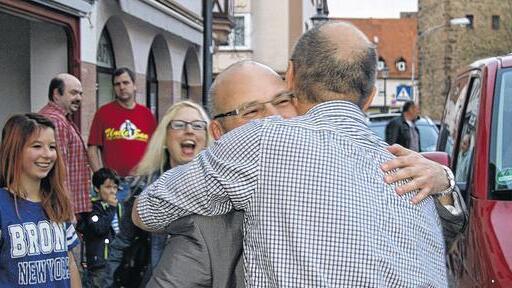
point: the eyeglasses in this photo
(255, 110)
(182, 125)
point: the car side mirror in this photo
(437, 156)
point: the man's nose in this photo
(270, 110)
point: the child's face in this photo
(39, 156)
(108, 191)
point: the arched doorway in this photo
(191, 86)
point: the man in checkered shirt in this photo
(317, 211)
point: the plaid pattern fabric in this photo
(317, 211)
(74, 154)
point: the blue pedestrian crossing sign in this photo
(403, 93)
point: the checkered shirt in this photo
(317, 211)
(74, 153)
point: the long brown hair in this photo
(18, 130)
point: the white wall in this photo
(49, 56)
(14, 66)
(137, 37)
(270, 29)
(195, 6)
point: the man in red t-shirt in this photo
(120, 130)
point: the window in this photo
(467, 138)
(381, 64)
(401, 65)
(240, 37)
(185, 87)
(470, 18)
(105, 66)
(501, 137)
(450, 123)
(495, 22)
(152, 86)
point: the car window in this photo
(380, 130)
(453, 108)
(501, 137)
(428, 137)
(428, 133)
(466, 142)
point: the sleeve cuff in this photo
(456, 208)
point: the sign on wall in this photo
(403, 93)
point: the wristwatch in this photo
(451, 181)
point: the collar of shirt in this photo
(339, 109)
(58, 109)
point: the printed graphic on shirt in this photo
(127, 131)
(31, 239)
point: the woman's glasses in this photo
(182, 125)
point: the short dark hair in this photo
(123, 70)
(99, 177)
(407, 106)
(318, 69)
(56, 83)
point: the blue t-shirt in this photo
(34, 250)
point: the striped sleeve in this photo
(71, 236)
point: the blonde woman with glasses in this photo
(179, 137)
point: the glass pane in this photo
(468, 134)
(105, 89)
(239, 31)
(428, 137)
(152, 99)
(503, 134)
(151, 73)
(454, 105)
(105, 56)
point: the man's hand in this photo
(428, 177)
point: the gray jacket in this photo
(202, 251)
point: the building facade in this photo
(446, 50)
(395, 40)
(160, 40)
(265, 31)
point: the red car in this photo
(476, 133)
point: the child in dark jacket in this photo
(102, 224)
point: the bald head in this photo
(334, 62)
(245, 84)
(240, 78)
(66, 92)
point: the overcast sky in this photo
(371, 8)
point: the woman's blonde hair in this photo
(156, 157)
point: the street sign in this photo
(403, 93)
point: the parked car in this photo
(427, 129)
(476, 134)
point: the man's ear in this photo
(216, 129)
(55, 93)
(369, 100)
(290, 76)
